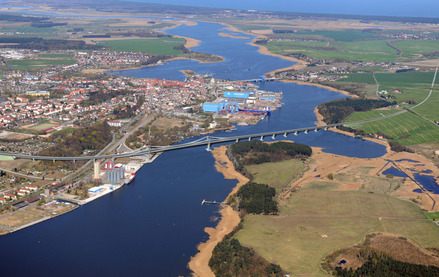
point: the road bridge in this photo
(208, 141)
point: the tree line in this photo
(257, 152)
(230, 258)
(74, 143)
(257, 198)
(36, 43)
(379, 264)
(336, 111)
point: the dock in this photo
(207, 202)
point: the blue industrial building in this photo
(221, 105)
(213, 107)
(234, 94)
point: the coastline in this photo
(199, 264)
(264, 50)
(320, 122)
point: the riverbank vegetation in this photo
(257, 198)
(336, 111)
(230, 258)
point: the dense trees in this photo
(378, 264)
(74, 143)
(257, 152)
(336, 111)
(230, 258)
(257, 198)
(35, 43)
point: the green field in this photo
(406, 128)
(56, 56)
(432, 215)
(344, 35)
(413, 87)
(368, 51)
(39, 63)
(411, 48)
(317, 220)
(278, 174)
(365, 78)
(43, 126)
(6, 158)
(159, 46)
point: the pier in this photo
(207, 202)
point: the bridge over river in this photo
(208, 141)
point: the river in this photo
(152, 227)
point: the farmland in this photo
(278, 174)
(367, 51)
(39, 63)
(365, 78)
(406, 128)
(412, 48)
(317, 220)
(156, 46)
(408, 89)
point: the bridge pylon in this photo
(97, 169)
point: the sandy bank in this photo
(264, 50)
(232, 36)
(190, 42)
(229, 218)
(322, 86)
(326, 163)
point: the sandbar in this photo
(199, 264)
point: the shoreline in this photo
(323, 164)
(199, 264)
(264, 50)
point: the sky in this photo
(415, 8)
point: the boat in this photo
(254, 111)
(130, 179)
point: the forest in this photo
(378, 264)
(230, 258)
(337, 110)
(257, 198)
(257, 152)
(74, 143)
(41, 44)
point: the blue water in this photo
(242, 61)
(427, 182)
(408, 160)
(417, 190)
(152, 227)
(422, 8)
(395, 172)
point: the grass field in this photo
(375, 50)
(411, 48)
(56, 56)
(317, 220)
(406, 128)
(432, 215)
(344, 35)
(159, 46)
(278, 174)
(364, 78)
(43, 126)
(6, 158)
(39, 63)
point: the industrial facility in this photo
(251, 101)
